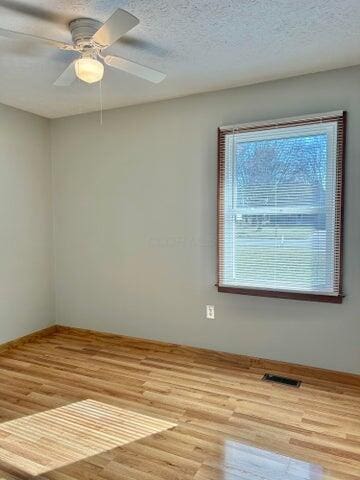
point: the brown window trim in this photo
(341, 118)
(310, 297)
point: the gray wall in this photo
(26, 293)
(135, 223)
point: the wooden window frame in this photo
(340, 118)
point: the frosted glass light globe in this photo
(89, 70)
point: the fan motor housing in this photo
(82, 30)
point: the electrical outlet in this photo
(210, 312)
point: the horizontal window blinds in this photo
(280, 206)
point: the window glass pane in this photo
(280, 228)
(285, 171)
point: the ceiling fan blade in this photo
(117, 25)
(34, 38)
(22, 7)
(67, 77)
(135, 69)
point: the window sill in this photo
(310, 297)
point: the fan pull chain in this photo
(101, 102)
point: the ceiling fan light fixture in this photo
(89, 70)
(89, 39)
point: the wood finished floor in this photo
(221, 421)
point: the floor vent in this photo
(268, 377)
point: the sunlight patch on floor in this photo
(243, 462)
(49, 440)
(267, 465)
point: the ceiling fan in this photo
(90, 39)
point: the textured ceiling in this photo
(201, 44)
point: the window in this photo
(280, 208)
